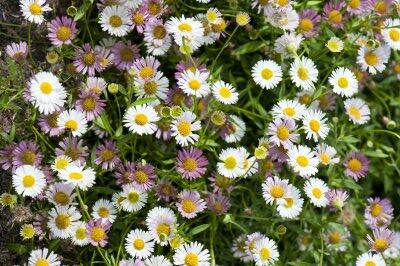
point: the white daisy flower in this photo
(194, 83)
(274, 189)
(183, 128)
(267, 74)
(335, 45)
(61, 194)
(192, 253)
(61, 162)
(161, 223)
(370, 259)
(63, 221)
(316, 190)
(291, 204)
(140, 119)
(28, 180)
(213, 15)
(185, 28)
(115, 20)
(224, 92)
(265, 251)
(79, 237)
(231, 163)
(326, 154)
(104, 209)
(303, 73)
(157, 86)
(288, 43)
(314, 124)
(344, 82)
(73, 120)
(139, 244)
(302, 160)
(33, 10)
(48, 94)
(159, 260)
(43, 257)
(391, 33)
(134, 198)
(288, 109)
(250, 165)
(78, 176)
(284, 18)
(373, 59)
(357, 110)
(235, 130)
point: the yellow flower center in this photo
(75, 176)
(80, 233)
(190, 164)
(355, 112)
(376, 209)
(282, 132)
(184, 128)
(225, 92)
(103, 212)
(317, 192)
(138, 244)
(302, 160)
(159, 32)
(354, 3)
(230, 162)
(115, 21)
(305, 99)
(212, 16)
(277, 192)
(194, 84)
(89, 58)
(333, 45)
(89, 104)
(42, 262)
(354, 165)
(185, 27)
(324, 157)
(28, 181)
(107, 155)
(394, 35)
(371, 58)
(141, 177)
(150, 87)
(289, 202)
(63, 33)
(306, 24)
(138, 18)
(219, 27)
(61, 164)
(28, 157)
(381, 244)
(46, 87)
(133, 197)
(63, 221)
(289, 111)
(334, 237)
(370, 263)
(97, 233)
(35, 9)
(302, 73)
(314, 125)
(71, 124)
(191, 259)
(343, 82)
(163, 229)
(61, 198)
(334, 16)
(267, 74)
(188, 205)
(126, 54)
(154, 8)
(380, 7)
(141, 119)
(146, 72)
(28, 231)
(264, 254)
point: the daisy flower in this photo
(104, 209)
(79, 237)
(124, 172)
(316, 190)
(218, 203)
(308, 24)
(213, 15)
(302, 160)
(184, 28)
(314, 124)
(373, 59)
(155, 87)
(190, 204)
(90, 104)
(73, 148)
(95, 84)
(291, 204)
(344, 82)
(139, 244)
(143, 176)
(115, 20)
(61, 194)
(265, 251)
(326, 154)
(391, 33)
(335, 45)
(62, 30)
(288, 109)
(124, 55)
(87, 60)
(43, 257)
(25, 153)
(33, 10)
(360, 7)
(333, 13)
(146, 68)
(139, 17)
(280, 132)
(161, 223)
(357, 165)
(194, 83)
(250, 245)
(140, 119)
(286, 18)
(378, 213)
(224, 92)
(27, 231)
(336, 198)
(165, 191)
(134, 198)
(107, 155)
(250, 166)
(183, 128)
(288, 44)
(156, 37)
(357, 110)
(267, 74)
(231, 163)
(73, 120)
(48, 124)
(48, 94)
(233, 130)
(17, 51)
(63, 220)
(78, 176)
(191, 163)
(96, 232)
(28, 180)
(303, 73)
(369, 259)
(274, 189)
(381, 239)
(159, 260)
(192, 253)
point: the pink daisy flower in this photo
(190, 204)
(357, 165)
(96, 232)
(107, 155)
(17, 51)
(62, 30)
(191, 163)
(125, 55)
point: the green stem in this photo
(223, 48)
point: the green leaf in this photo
(143, 101)
(82, 9)
(103, 190)
(377, 153)
(249, 47)
(17, 248)
(199, 229)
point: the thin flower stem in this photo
(223, 48)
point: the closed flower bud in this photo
(52, 57)
(113, 88)
(71, 11)
(218, 118)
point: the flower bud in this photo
(113, 88)
(52, 57)
(218, 118)
(71, 11)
